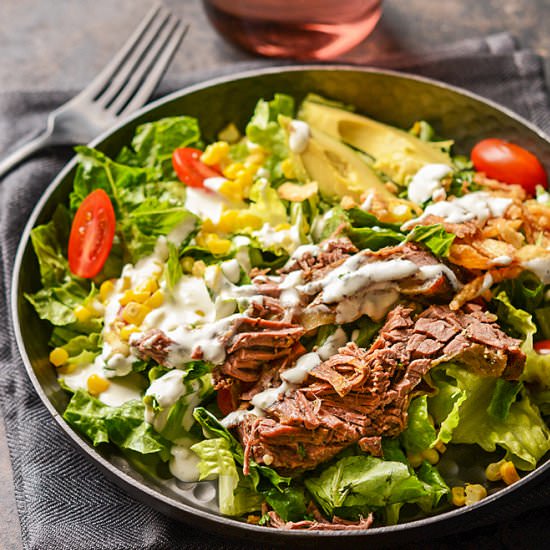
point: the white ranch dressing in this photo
(181, 231)
(426, 183)
(287, 239)
(203, 204)
(475, 206)
(298, 136)
(332, 344)
(214, 183)
(540, 267)
(366, 205)
(298, 373)
(184, 463)
(432, 271)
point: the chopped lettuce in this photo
(523, 434)
(266, 204)
(124, 426)
(235, 495)
(357, 485)
(290, 503)
(420, 434)
(505, 393)
(265, 130)
(434, 237)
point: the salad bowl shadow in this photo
(390, 97)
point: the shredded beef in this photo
(359, 396)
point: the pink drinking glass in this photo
(300, 29)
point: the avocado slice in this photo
(396, 153)
(338, 169)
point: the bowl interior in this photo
(389, 97)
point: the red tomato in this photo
(92, 234)
(542, 347)
(509, 163)
(189, 168)
(225, 401)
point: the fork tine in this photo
(150, 70)
(133, 59)
(155, 75)
(102, 79)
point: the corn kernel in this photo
(97, 384)
(230, 133)
(187, 264)
(492, 472)
(233, 169)
(255, 159)
(133, 296)
(126, 331)
(248, 220)
(105, 289)
(457, 496)
(134, 313)
(509, 473)
(67, 369)
(228, 221)
(216, 245)
(288, 169)
(282, 227)
(156, 300)
(208, 225)
(83, 314)
(244, 177)
(150, 285)
(198, 268)
(431, 455)
(415, 459)
(440, 447)
(58, 357)
(126, 282)
(474, 493)
(232, 190)
(215, 152)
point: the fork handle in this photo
(26, 150)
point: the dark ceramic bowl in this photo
(390, 97)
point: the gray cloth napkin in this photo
(63, 501)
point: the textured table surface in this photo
(62, 44)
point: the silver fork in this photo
(123, 86)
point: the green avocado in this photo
(395, 152)
(338, 170)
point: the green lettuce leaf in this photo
(356, 485)
(265, 130)
(124, 426)
(434, 484)
(154, 143)
(373, 238)
(212, 429)
(290, 503)
(266, 204)
(173, 271)
(420, 434)
(235, 496)
(523, 434)
(434, 237)
(504, 395)
(524, 292)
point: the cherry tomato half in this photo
(509, 163)
(189, 168)
(225, 401)
(542, 347)
(92, 234)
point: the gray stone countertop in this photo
(62, 44)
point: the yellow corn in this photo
(67, 369)
(126, 282)
(228, 221)
(457, 496)
(244, 177)
(198, 268)
(156, 300)
(474, 493)
(231, 170)
(216, 245)
(83, 314)
(134, 296)
(288, 169)
(492, 472)
(509, 473)
(415, 459)
(58, 357)
(208, 225)
(246, 219)
(431, 455)
(232, 190)
(126, 331)
(105, 289)
(150, 285)
(134, 313)
(440, 447)
(187, 264)
(97, 384)
(230, 133)
(215, 153)
(282, 227)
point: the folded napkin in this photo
(63, 501)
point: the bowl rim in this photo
(185, 511)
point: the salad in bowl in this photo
(314, 311)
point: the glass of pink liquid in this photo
(300, 29)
